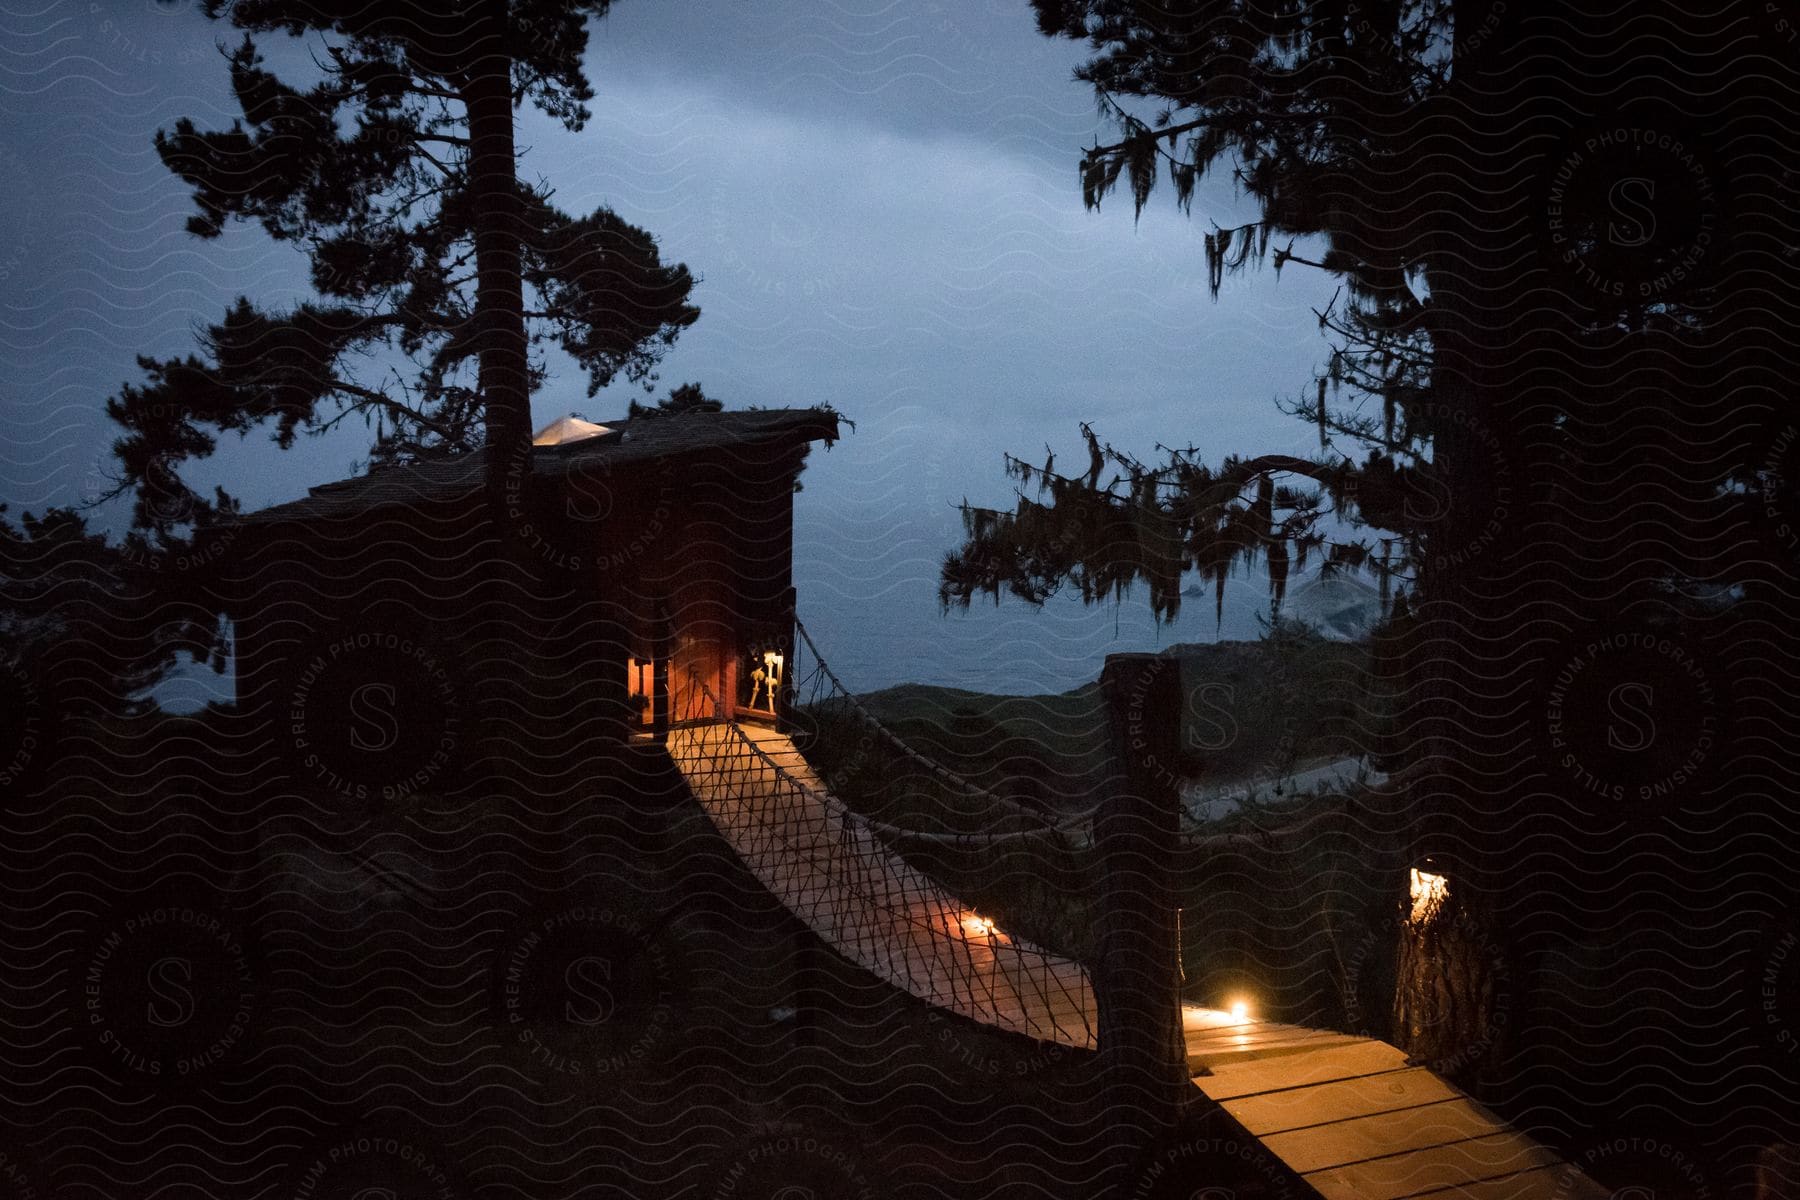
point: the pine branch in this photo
(386, 403)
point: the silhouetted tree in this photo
(92, 621)
(688, 398)
(1555, 343)
(1307, 102)
(397, 174)
(1329, 116)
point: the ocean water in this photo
(867, 585)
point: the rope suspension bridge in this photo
(821, 704)
(822, 711)
(1350, 1115)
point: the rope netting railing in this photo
(833, 868)
(823, 709)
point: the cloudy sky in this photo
(880, 200)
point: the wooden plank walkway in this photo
(1347, 1114)
(1356, 1122)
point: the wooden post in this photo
(1137, 984)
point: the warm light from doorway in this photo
(765, 678)
(640, 680)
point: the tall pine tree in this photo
(1563, 281)
(397, 174)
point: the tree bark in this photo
(1449, 976)
(504, 615)
(1472, 612)
(1574, 421)
(1137, 980)
(499, 286)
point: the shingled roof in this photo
(632, 442)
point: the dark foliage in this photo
(1291, 97)
(375, 172)
(688, 398)
(94, 622)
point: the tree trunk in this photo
(1449, 979)
(499, 287)
(504, 621)
(1576, 408)
(1137, 982)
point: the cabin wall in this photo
(354, 646)
(762, 555)
(684, 559)
(699, 559)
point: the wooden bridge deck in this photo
(1356, 1122)
(865, 901)
(1347, 1114)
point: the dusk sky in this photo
(881, 203)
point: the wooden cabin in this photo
(659, 551)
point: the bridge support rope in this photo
(821, 699)
(831, 867)
(1349, 1115)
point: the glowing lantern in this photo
(764, 676)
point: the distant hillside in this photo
(1342, 607)
(1259, 708)
(1252, 707)
(1048, 747)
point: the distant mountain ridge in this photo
(1253, 708)
(1342, 607)
(1339, 608)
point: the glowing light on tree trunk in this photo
(1428, 893)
